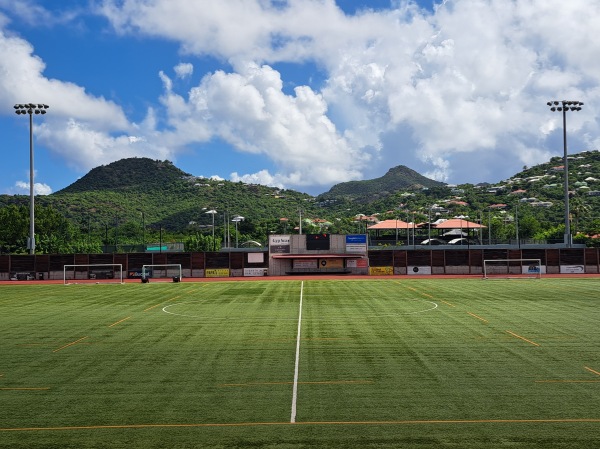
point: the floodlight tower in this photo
(212, 212)
(31, 109)
(236, 220)
(564, 106)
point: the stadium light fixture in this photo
(212, 212)
(31, 109)
(564, 106)
(236, 220)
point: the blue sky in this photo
(301, 94)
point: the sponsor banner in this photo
(305, 263)
(356, 243)
(255, 271)
(571, 269)
(256, 257)
(418, 270)
(216, 273)
(137, 274)
(381, 271)
(357, 263)
(279, 244)
(533, 269)
(356, 238)
(331, 263)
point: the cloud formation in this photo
(38, 188)
(470, 76)
(458, 92)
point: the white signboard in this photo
(418, 270)
(356, 243)
(572, 269)
(305, 263)
(255, 271)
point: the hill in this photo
(137, 195)
(397, 178)
(164, 195)
(141, 174)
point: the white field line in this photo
(297, 366)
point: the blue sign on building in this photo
(354, 239)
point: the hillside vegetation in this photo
(136, 200)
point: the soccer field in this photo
(396, 363)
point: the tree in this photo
(14, 228)
(201, 242)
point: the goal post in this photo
(100, 273)
(512, 269)
(162, 271)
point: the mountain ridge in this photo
(133, 190)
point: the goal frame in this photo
(92, 280)
(165, 268)
(508, 263)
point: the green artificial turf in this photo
(381, 363)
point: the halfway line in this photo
(297, 366)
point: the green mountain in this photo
(125, 199)
(161, 194)
(396, 179)
(134, 174)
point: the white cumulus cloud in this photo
(458, 92)
(38, 188)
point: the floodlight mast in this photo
(564, 106)
(31, 109)
(212, 212)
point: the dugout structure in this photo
(103, 273)
(162, 272)
(512, 269)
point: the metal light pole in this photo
(564, 106)
(31, 109)
(236, 220)
(212, 212)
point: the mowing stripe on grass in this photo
(311, 423)
(24, 388)
(567, 381)
(574, 381)
(69, 344)
(522, 338)
(478, 317)
(120, 321)
(297, 365)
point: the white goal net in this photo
(103, 273)
(513, 269)
(162, 272)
